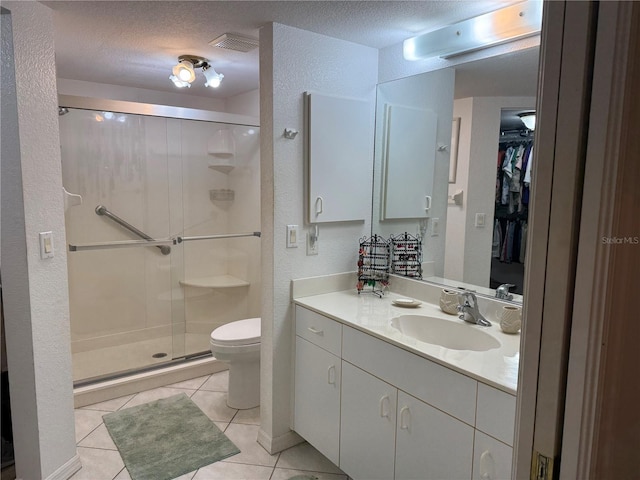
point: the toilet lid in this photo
(241, 332)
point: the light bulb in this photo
(213, 78)
(529, 120)
(184, 71)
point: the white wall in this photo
(456, 214)
(293, 61)
(245, 103)
(34, 290)
(477, 163)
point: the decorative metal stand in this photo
(406, 256)
(373, 265)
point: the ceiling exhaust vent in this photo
(231, 41)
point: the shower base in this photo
(134, 355)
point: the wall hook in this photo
(290, 133)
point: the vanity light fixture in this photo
(500, 26)
(183, 73)
(529, 120)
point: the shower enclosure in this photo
(162, 211)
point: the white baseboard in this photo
(278, 444)
(67, 470)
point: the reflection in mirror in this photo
(463, 222)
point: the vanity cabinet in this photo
(318, 377)
(430, 443)
(381, 412)
(368, 425)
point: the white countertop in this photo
(366, 312)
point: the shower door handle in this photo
(122, 244)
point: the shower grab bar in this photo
(103, 211)
(214, 237)
(120, 244)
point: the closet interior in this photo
(513, 189)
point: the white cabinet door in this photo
(408, 162)
(491, 458)
(317, 398)
(368, 425)
(340, 152)
(430, 443)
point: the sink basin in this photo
(446, 333)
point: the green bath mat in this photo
(167, 438)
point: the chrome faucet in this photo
(469, 311)
(502, 291)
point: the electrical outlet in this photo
(292, 236)
(312, 247)
(435, 227)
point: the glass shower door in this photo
(163, 246)
(121, 256)
(220, 220)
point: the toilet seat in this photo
(240, 332)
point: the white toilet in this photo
(238, 344)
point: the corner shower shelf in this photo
(221, 167)
(218, 281)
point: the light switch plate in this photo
(46, 245)
(480, 219)
(435, 227)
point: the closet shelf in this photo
(218, 281)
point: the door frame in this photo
(584, 57)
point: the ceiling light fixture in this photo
(501, 26)
(183, 73)
(213, 78)
(529, 120)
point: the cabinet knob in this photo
(315, 330)
(384, 413)
(487, 466)
(331, 375)
(427, 203)
(405, 414)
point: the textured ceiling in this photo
(136, 43)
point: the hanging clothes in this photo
(497, 239)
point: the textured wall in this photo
(294, 61)
(34, 290)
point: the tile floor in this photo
(101, 460)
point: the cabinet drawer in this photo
(491, 458)
(496, 413)
(319, 330)
(445, 389)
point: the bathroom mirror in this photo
(457, 218)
